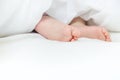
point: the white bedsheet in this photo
(31, 57)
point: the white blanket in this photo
(21, 16)
(104, 13)
(30, 56)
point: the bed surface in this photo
(30, 56)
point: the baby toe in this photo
(106, 34)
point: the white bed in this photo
(31, 57)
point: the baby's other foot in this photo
(94, 32)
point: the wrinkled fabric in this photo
(62, 10)
(104, 13)
(20, 16)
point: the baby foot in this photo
(94, 32)
(53, 29)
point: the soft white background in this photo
(31, 57)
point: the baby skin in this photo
(53, 29)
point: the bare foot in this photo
(80, 29)
(94, 32)
(54, 30)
